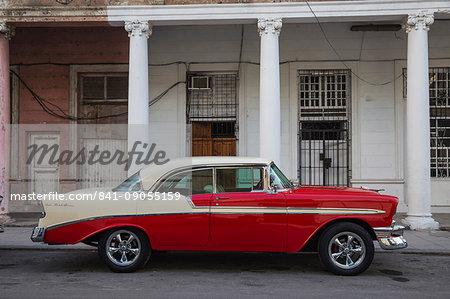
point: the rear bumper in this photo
(38, 234)
(391, 238)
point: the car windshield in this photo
(278, 179)
(132, 184)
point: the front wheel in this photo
(124, 249)
(346, 249)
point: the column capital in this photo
(138, 28)
(418, 21)
(269, 25)
(8, 31)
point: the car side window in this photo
(258, 178)
(243, 179)
(277, 178)
(131, 184)
(189, 182)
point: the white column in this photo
(6, 32)
(269, 90)
(138, 95)
(418, 125)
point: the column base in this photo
(420, 223)
(4, 219)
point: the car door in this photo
(244, 217)
(181, 224)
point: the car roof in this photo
(150, 174)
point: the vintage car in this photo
(223, 204)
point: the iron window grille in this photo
(324, 94)
(439, 90)
(217, 103)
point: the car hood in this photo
(342, 197)
(335, 190)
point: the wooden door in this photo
(206, 143)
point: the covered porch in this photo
(280, 57)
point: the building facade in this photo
(345, 93)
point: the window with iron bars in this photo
(439, 90)
(212, 97)
(324, 94)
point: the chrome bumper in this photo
(38, 234)
(391, 238)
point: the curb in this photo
(29, 248)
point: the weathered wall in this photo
(44, 56)
(100, 3)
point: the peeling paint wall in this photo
(48, 46)
(99, 3)
(43, 57)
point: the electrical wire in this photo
(58, 112)
(339, 56)
(240, 48)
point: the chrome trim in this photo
(391, 238)
(236, 210)
(334, 211)
(393, 243)
(54, 226)
(38, 234)
(190, 202)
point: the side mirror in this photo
(273, 190)
(295, 183)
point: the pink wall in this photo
(47, 46)
(38, 52)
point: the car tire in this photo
(346, 249)
(124, 249)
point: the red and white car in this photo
(223, 204)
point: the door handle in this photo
(221, 197)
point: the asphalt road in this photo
(73, 273)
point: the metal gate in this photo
(324, 153)
(324, 127)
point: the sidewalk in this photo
(19, 238)
(31, 220)
(426, 242)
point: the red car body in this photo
(283, 220)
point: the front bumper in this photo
(38, 234)
(391, 238)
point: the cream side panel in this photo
(99, 204)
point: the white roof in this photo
(149, 175)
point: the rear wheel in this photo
(346, 249)
(124, 249)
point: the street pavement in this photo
(34, 270)
(434, 242)
(81, 274)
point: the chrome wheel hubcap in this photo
(123, 247)
(346, 250)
